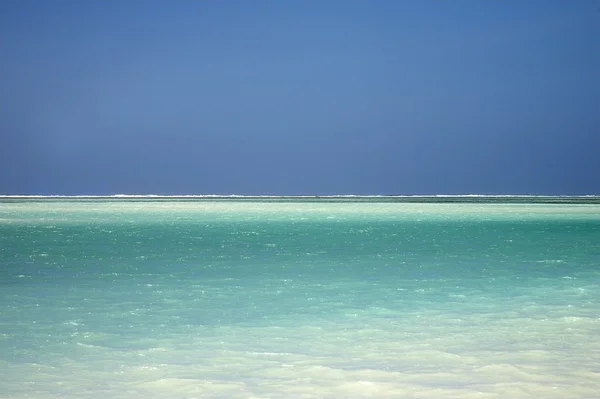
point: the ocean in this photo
(300, 297)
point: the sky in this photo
(299, 97)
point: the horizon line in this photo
(219, 196)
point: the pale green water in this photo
(288, 298)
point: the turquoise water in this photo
(299, 298)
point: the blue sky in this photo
(300, 97)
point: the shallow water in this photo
(303, 298)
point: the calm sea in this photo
(300, 298)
